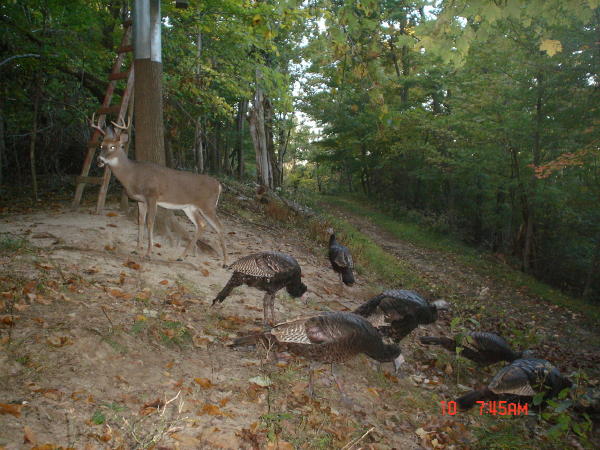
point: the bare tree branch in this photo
(25, 55)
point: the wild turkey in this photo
(395, 313)
(331, 337)
(523, 378)
(268, 272)
(480, 347)
(341, 260)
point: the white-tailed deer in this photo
(152, 185)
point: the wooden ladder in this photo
(118, 111)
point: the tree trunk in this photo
(199, 146)
(268, 112)
(284, 139)
(242, 107)
(256, 119)
(366, 181)
(169, 157)
(149, 134)
(2, 142)
(528, 248)
(36, 106)
(593, 271)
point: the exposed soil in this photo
(95, 340)
(103, 349)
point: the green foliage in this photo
(98, 418)
(12, 244)
(476, 260)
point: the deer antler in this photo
(125, 126)
(93, 125)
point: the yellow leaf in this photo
(203, 382)
(373, 391)
(211, 409)
(15, 410)
(550, 46)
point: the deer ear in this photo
(124, 138)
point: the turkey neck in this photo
(332, 239)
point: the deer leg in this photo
(212, 219)
(198, 225)
(142, 210)
(150, 223)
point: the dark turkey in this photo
(523, 379)
(331, 337)
(395, 313)
(480, 347)
(268, 272)
(341, 260)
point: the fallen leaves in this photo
(59, 341)
(280, 445)
(117, 293)
(213, 410)
(14, 410)
(442, 433)
(29, 436)
(132, 265)
(151, 407)
(261, 381)
(186, 440)
(8, 320)
(205, 383)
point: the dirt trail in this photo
(95, 341)
(563, 337)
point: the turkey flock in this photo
(377, 327)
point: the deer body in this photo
(152, 185)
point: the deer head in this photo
(113, 141)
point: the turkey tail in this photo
(348, 276)
(251, 339)
(445, 342)
(468, 400)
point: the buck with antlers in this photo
(152, 185)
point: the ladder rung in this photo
(88, 180)
(109, 110)
(125, 49)
(118, 75)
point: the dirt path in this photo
(557, 333)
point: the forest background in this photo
(476, 118)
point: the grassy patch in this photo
(371, 258)
(10, 243)
(476, 260)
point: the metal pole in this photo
(146, 30)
